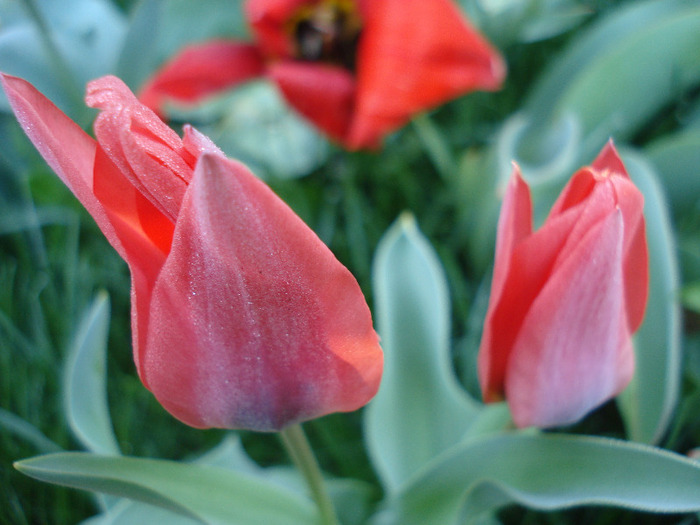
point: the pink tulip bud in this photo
(241, 316)
(566, 299)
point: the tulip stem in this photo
(435, 145)
(299, 450)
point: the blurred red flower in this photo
(241, 316)
(357, 69)
(566, 299)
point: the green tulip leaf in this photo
(128, 512)
(676, 158)
(420, 409)
(602, 95)
(231, 455)
(545, 472)
(648, 403)
(206, 494)
(138, 57)
(603, 37)
(591, 90)
(85, 387)
(85, 39)
(228, 454)
(183, 22)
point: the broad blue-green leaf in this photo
(420, 409)
(600, 39)
(608, 81)
(253, 123)
(231, 455)
(138, 57)
(85, 387)
(85, 37)
(676, 158)
(509, 21)
(228, 454)
(128, 512)
(647, 404)
(544, 154)
(547, 472)
(206, 494)
(184, 22)
(663, 57)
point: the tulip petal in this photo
(413, 56)
(270, 22)
(607, 178)
(576, 191)
(574, 351)
(202, 70)
(514, 225)
(324, 94)
(71, 153)
(609, 160)
(631, 201)
(139, 233)
(259, 324)
(143, 147)
(67, 149)
(531, 265)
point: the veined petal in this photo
(575, 192)
(143, 147)
(635, 252)
(590, 194)
(202, 70)
(514, 225)
(631, 201)
(530, 266)
(322, 93)
(413, 56)
(573, 351)
(259, 324)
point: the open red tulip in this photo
(241, 316)
(357, 69)
(566, 299)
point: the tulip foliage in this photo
(456, 241)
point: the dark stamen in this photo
(328, 33)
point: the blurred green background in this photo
(578, 73)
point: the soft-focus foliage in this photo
(414, 221)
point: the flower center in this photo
(327, 31)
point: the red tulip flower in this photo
(566, 299)
(357, 69)
(241, 316)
